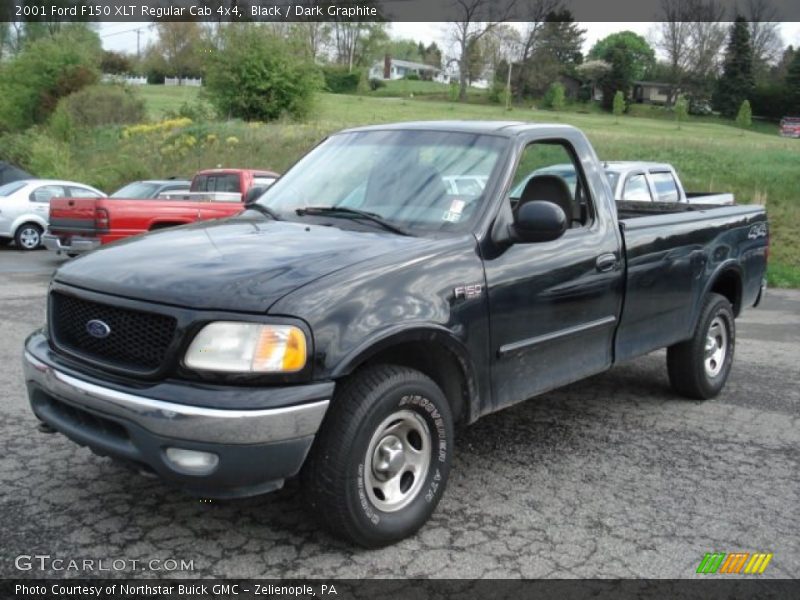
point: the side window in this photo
(78, 192)
(46, 192)
(549, 170)
(666, 188)
(636, 188)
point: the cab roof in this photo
(501, 128)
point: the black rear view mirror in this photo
(539, 221)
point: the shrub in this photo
(98, 105)
(681, 110)
(45, 71)
(339, 80)
(555, 97)
(376, 84)
(619, 104)
(744, 118)
(412, 77)
(256, 77)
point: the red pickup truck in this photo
(81, 224)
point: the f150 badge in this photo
(467, 292)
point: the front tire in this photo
(699, 367)
(380, 463)
(28, 237)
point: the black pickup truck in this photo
(340, 326)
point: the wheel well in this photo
(729, 284)
(438, 363)
(164, 225)
(34, 223)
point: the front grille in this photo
(137, 340)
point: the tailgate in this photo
(73, 215)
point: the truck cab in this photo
(342, 325)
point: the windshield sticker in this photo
(453, 214)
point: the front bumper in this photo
(257, 449)
(74, 245)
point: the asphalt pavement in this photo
(615, 476)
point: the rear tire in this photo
(28, 237)
(380, 463)
(699, 367)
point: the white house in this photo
(394, 68)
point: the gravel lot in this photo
(611, 477)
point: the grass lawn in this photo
(161, 99)
(710, 155)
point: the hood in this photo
(241, 264)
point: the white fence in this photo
(107, 78)
(185, 81)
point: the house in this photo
(394, 68)
(572, 85)
(651, 92)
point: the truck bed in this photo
(672, 250)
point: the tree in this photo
(555, 97)
(619, 105)
(793, 85)
(555, 51)
(765, 35)
(314, 37)
(257, 77)
(180, 43)
(45, 71)
(629, 56)
(736, 82)
(744, 117)
(641, 55)
(115, 63)
(681, 110)
(431, 54)
(473, 24)
(674, 42)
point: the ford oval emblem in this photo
(98, 329)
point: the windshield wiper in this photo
(343, 211)
(264, 210)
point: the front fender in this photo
(428, 333)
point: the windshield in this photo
(404, 177)
(10, 188)
(140, 189)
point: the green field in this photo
(710, 154)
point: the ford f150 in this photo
(345, 322)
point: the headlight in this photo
(247, 348)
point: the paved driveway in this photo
(611, 477)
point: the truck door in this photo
(554, 305)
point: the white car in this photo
(25, 208)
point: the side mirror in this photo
(253, 194)
(539, 221)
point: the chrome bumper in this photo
(180, 421)
(77, 245)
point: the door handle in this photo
(606, 262)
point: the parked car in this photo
(790, 127)
(81, 224)
(345, 342)
(152, 188)
(637, 181)
(24, 207)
